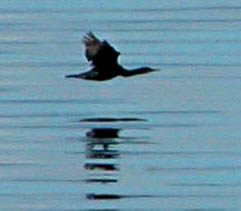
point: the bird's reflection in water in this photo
(111, 119)
(92, 196)
(101, 157)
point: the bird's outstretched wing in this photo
(92, 45)
(101, 53)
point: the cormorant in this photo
(104, 61)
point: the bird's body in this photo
(104, 60)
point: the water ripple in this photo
(198, 168)
(189, 21)
(176, 112)
(93, 196)
(114, 10)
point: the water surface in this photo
(178, 146)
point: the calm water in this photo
(180, 140)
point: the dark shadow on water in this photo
(101, 153)
(93, 196)
(102, 166)
(103, 133)
(103, 196)
(106, 180)
(106, 119)
(101, 159)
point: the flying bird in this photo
(104, 61)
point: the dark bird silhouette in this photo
(104, 60)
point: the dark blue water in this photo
(179, 129)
